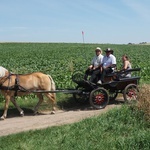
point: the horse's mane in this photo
(3, 71)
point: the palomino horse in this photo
(12, 85)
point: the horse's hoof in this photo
(2, 118)
(22, 114)
(53, 112)
(36, 113)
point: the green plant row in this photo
(62, 59)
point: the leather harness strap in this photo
(16, 86)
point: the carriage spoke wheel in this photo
(130, 93)
(77, 76)
(82, 97)
(99, 98)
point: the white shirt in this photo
(109, 60)
(97, 60)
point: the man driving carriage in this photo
(108, 65)
(94, 69)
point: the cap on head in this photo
(98, 49)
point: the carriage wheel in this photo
(130, 93)
(77, 76)
(99, 98)
(112, 95)
(82, 97)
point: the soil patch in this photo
(15, 124)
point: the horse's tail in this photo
(52, 83)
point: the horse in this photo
(12, 85)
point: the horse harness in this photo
(16, 87)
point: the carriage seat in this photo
(128, 78)
(122, 75)
(110, 74)
(114, 70)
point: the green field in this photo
(123, 129)
(60, 60)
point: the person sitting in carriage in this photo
(126, 65)
(108, 65)
(94, 68)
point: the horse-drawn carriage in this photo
(13, 85)
(99, 95)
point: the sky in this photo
(75, 21)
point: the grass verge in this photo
(144, 101)
(123, 129)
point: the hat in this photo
(108, 50)
(98, 48)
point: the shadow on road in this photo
(67, 105)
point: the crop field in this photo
(60, 60)
(124, 128)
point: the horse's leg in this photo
(40, 96)
(52, 99)
(17, 106)
(7, 100)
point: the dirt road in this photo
(16, 124)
